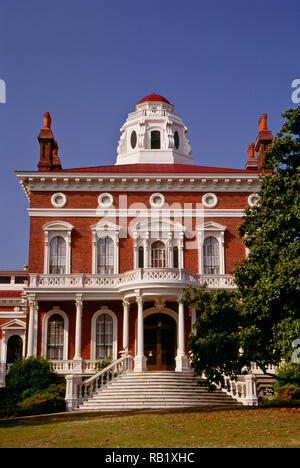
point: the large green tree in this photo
(266, 304)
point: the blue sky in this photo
(88, 62)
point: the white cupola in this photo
(154, 134)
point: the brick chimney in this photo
(263, 140)
(252, 161)
(49, 159)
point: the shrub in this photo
(103, 363)
(49, 400)
(28, 376)
(289, 374)
(288, 392)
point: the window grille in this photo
(158, 255)
(55, 337)
(211, 256)
(105, 260)
(57, 256)
(104, 336)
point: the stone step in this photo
(154, 390)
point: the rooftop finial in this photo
(47, 121)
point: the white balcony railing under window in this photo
(173, 276)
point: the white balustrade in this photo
(96, 382)
(147, 275)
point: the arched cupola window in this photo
(155, 139)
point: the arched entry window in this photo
(104, 336)
(57, 256)
(211, 256)
(105, 256)
(158, 255)
(14, 348)
(155, 139)
(55, 337)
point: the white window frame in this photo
(8, 329)
(51, 230)
(171, 233)
(58, 311)
(100, 230)
(211, 229)
(104, 310)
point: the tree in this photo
(267, 302)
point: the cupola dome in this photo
(154, 134)
(154, 97)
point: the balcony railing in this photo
(173, 276)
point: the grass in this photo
(185, 428)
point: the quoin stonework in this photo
(112, 248)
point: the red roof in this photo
(154, 97)
(158, 168)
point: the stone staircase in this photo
(154, 390)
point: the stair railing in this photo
(105, 376)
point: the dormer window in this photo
(155, 139)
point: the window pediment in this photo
(58, 226)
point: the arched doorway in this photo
(14, 348)
(160, 341)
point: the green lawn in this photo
(186, 428)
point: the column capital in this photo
(180, 299)
(79, 301)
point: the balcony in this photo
(150, 277)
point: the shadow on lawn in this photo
(38, 420)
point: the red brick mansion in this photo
(112, 248)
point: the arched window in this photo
(211, 256)
(104, 336)
(155, 139)
(14, 348)
(105, 256)
(141, 257)
(57, 256)
(55, 337)
(158, 255)
(175, 257)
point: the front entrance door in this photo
(160, 342)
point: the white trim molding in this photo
(58, 311)
(51, 230)
(58, 200)
(104, 310)
(216, 230)
(11, 328)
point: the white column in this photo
(125, 326)
(140, 359)
(33, 307)
(181, 358)
(251, 394)
(180, 252)
(79, 304)
(222, 254)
